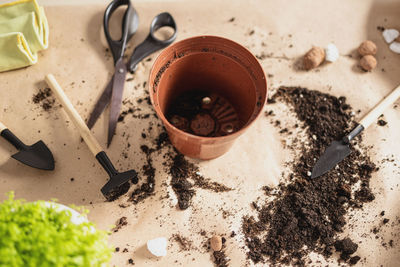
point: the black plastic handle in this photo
(106, 163)
(12, 139)
(129, 26)
(151, 44)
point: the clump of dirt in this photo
(120, 223)
(307, 214)
(219, 257)
(44, 99)
(346, 246)
(185, 176)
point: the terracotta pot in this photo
(222, 67)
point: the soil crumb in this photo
(44, 99)
(184, 243)
(305, 215)
(120, 223)
(185, 176)
(382, 122)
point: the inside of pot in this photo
(223, 88)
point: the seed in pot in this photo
(180, 122)
(367, 48)
(216, 242)
(202, 124)
(390, 35)
(314, 57)
(368, 62)
(227, 128)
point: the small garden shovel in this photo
(37, 155)
(339, 150)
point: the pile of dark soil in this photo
(44, 99)
(307, 214)
(182, 171)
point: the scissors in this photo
(112, 94)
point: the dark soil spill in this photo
(307, 215)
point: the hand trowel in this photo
(117, 180)
(37, 155)
(339, 150)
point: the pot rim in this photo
(207, 138)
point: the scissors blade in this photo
(101, 104)
(116, 98)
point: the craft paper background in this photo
(77, 58)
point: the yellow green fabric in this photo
(24, 31)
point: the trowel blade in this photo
(334, 154)
(37, 156)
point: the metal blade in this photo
(116, 98)
(334, 154)
(37, 156)
(101, 104)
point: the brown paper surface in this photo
(77, 58)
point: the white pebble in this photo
(390, 35)
(314, 137)
(157, 246)
(395, 47)
(309, 173)
(331, 53)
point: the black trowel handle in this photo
(90, 140)
(10, 137)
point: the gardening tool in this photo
(339, 150)
(114, 90)
(116, 179)
(37, 155)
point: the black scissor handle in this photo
(129, 26)
(151, 44)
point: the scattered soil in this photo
(147, 188)
(382, 122)
(120, 223)
(307, 214)
(44, 98)
(184, 243)
(182, 171)
(219, 257)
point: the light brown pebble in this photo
(368, 62)
(216, 243)
(314, 57)
(367, 48)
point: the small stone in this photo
(309, 173)
(216, 243)
(314, 57)
(368, 62)
(331, 53)
(158, 246)
(367, 48)
(390, 35)
(395, 47)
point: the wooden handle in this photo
(378, 110)
(74, 115)
(2, 127)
